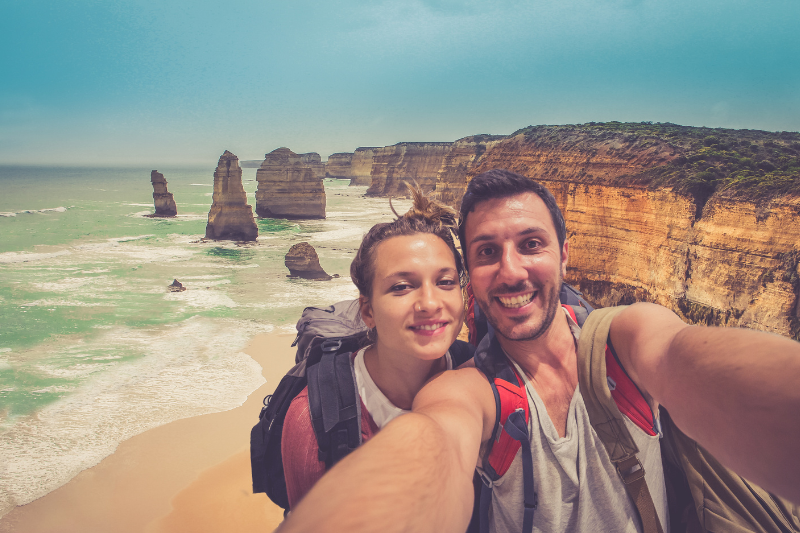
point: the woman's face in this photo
(416, 303)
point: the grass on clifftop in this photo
(745, 163)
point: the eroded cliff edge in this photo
(704, 222)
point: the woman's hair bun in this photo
(426, 208)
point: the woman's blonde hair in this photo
(425, 216)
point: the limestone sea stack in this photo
(361, 166)
(162, 198)
(313, 160)
(287, 188)
(230, 217)
(338, 166)
(303, 262)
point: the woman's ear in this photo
(366, 311)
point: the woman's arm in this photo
(733, 390)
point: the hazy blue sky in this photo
(174, 81)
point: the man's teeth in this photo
(431, 327)
(516, 301)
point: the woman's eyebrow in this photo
(402, 274)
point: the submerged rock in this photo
(303, 262)
(288, 188)
(230, 217)
(176, 286)
(162, 198)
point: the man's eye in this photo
(531, 245)
(488, 250)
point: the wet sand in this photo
(192, 475)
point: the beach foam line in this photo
(24, 257)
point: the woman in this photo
(409, 276)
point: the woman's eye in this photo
(400, 287)
(447, 282)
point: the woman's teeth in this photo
(516, 301)
(430, 327)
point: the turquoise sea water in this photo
(93, 347)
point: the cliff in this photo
(361, 166)
(466, 153)
(230, 217)
(408, 161)
(162, 198)
(314, 161)
(287, 187)
(705, 222)
(338, 166)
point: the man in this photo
(732, 390)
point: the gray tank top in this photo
(577, 485)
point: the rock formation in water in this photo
(338, 166)
(314, 161)
(705, 222)
(162, 198)
(287, 187)
(176, 286)
(361, 166)
(303, 262)
(230, 217)
(408, 161)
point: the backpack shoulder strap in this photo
(334, 403)
(510, 432)
(606, 418)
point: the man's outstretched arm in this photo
(415, 474)
(733, 390)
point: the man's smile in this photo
(517, 301)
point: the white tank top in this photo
(578, 487)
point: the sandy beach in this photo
(191, 475)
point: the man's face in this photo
(515, 264)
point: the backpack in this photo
(326, 339)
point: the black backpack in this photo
(326, 339)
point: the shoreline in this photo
(192, 474)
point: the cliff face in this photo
(391, 165)
(288, 188)
(361, 166)
(714, 259)
(162, 198)
(338, 166)
(230, 217)
(464, 155)
(314, 161)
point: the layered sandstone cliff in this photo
(465, 154)
(338, 166)
(361, 166)
(288, 188)
(162, 198)
(230, 217)
(715, 258)
(314, 162)
(409, 162)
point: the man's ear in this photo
(564, 258)
(366, 311)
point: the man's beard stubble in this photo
(551, 302)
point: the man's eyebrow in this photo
(491, 237)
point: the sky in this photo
(174, 82)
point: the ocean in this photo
(94, 349)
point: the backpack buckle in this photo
(630, 470)
(331, 345)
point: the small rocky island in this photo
(230, 217)
(288, 188)
(162, 198)
(303, 262)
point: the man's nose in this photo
(512, 268)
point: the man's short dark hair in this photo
(501, 183)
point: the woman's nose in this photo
(428, 300)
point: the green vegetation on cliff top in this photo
(752, 163)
